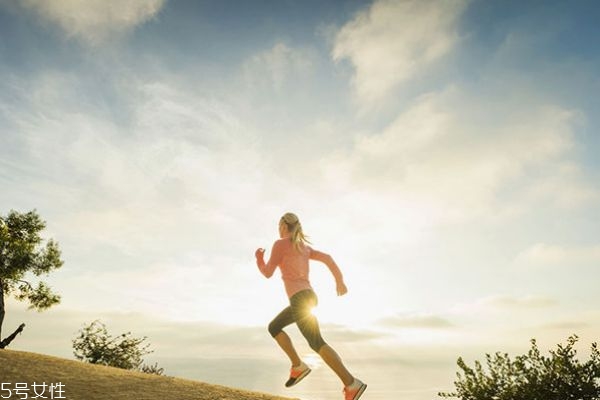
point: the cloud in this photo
(564, 186)
(525, 306)
(426, 321)
(548, 255)
(392, 41)
(567, 325)
(177, 151)
(94, 21)
(276, 66)
(513, 302)
(454, 156)
(508, 317)
(583, 321)
(342, 333)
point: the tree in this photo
(23, 251)
(96, 346)
(531, 376)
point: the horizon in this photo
(444, 153)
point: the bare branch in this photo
(10, 338)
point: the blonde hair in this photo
(295, 229)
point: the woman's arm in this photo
(268, 268)
(333, 267)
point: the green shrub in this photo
(531, 376)
(96, 346)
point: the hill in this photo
(82, 381)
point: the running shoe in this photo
(297, 374)
(355, 390)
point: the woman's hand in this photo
(259, 253)
(341, 288)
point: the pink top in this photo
(294, 265)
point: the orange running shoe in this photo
(355, 390)
(297, 374)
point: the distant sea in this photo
(387, 379)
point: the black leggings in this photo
(299, 312)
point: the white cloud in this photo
(548, 255)
(516, 303)
(277, 65)
(486, 309)
(171, 168)
(392, 41)
(425, 321)
(506, 316)
(450, 154)
(570, 325)
(564, 186)
(94, 21)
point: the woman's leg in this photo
(284, 341)
(308, 324)
(283, 319)
(333, 360)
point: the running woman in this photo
(291, 254)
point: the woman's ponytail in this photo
(295, 228)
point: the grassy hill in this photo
(93, 382)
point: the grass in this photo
(84, 381)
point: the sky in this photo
(445, 153)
